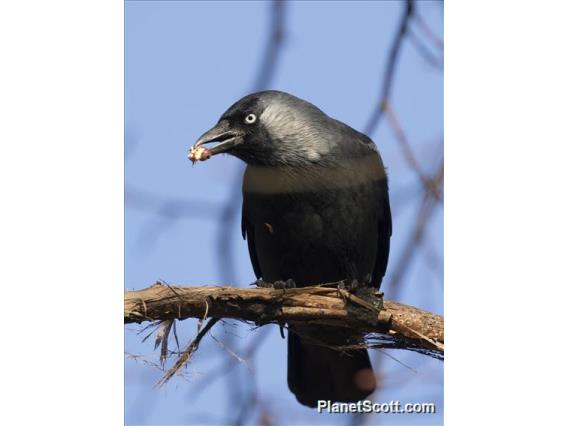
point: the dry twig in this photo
(188, 352)
(389, 73)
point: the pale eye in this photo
(251, 118)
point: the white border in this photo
(506, 212)
(61, 173)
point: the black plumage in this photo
(315, 209)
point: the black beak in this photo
(222, 133)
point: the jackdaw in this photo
(315, 210)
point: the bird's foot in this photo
(259, 283)
(348, 285)
(278, 285)
(355, 284)
(283, 285)
(363, 289)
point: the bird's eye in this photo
(251, 118)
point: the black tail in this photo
(318, 373)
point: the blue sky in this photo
(185, 63)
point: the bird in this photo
(315, 210)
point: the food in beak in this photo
(199, 154)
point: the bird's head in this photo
(272, 128)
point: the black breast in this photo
(320, 225)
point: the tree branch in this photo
(390, 67)
(357, 313)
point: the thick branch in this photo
(358, 314)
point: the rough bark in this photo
(360, 312)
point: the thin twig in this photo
(187, 353)
(425, 213)
(424, 51)
(428, 183)
(230, 363)
(392, 60)
(427, 31)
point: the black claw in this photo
(355, 285)
(349, 285)
(278, 285)
(283, 285)
(261, 283)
